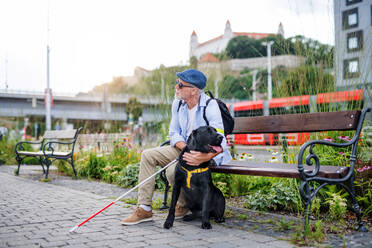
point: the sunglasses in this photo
(181, 85)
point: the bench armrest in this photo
(48, 146)
(19, 146)
(312, 176)
(312, 156)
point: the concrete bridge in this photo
(16, 103)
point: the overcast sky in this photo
(92, 41)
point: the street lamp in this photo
(269, 83)
(254, 94)
(47, 97)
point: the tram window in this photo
(299, 109)
(340, 106)
(290, 110)
(354, 105)
(278, 111)
(249, 113)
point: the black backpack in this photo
(227, 119)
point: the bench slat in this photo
(60, 134)
(310, 122)
(277, 169)
(40, 153)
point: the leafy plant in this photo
(337, 206)
(93, 167)
(318, 232)
(284, 225)
(315, 207)
(7, 155)
(281, 195)
(128, 177)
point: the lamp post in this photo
(254, 96)
(47, 97)
(269, 82)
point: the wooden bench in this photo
(56, 144)
(312, 170)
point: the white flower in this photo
(273, 160)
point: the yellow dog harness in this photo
(189, 174)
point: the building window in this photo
(351, 68)
(350, 18)
(350, 2)
(355, 41)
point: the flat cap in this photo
(194, 77)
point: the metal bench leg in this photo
(42, 164)
(73, 167)
(47, 163)
(351, 191)
(19, 160)
(166, 183)
(305, 193)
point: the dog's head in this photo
(205, 139)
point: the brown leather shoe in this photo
(139, 215)
(180, 212)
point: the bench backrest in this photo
(309, 122)
(61, 134)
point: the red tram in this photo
(333, 101)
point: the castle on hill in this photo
(218, 44)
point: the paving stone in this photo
(35, 214)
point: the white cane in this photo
(126, 193)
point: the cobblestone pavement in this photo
(36, 214)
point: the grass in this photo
(242, 217)
(284, 225)
(131, 201)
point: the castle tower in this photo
(281, 30)
(193, 43)
(228, 31)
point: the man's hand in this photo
(180, 145)
(195, 158)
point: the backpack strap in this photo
(179, 105)
(204, 115)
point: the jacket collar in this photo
(202, 100)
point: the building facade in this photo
(353, 44)
(218, 44)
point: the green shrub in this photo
(128, 177)
(7, 154)
(337, 206)
(31, 161)
(93, 168)
(281, 194)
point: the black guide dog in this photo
(200, 194)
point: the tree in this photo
(135, 108)
(193, 62)
(315, 52)
(236, 87)
(244, 47)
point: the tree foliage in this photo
(238, 87)
(315, 52)
(135, 108)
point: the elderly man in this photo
(187, 115)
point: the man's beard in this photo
(177, 97)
